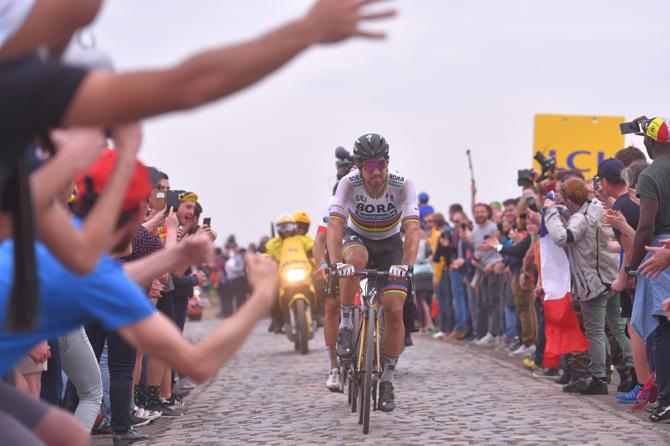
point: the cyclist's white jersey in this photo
(375, 218)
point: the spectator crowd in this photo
(101, 261)
(570, 276)
(99, 257)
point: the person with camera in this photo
(594, 269)
(650, 260)
(373, 203)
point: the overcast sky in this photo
(452, 75)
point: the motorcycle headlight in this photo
(295, 275)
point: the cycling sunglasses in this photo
(371, 166)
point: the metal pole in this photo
(472, 172)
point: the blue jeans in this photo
(510, 323)
(461, 316)
(444, 299)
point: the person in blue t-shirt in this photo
(112, 294)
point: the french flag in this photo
(561, 326)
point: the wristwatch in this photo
(630, 272)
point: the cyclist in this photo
(331, 304)
(365, 218)
(331, 307)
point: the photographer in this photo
(653, 279)
(593, 269)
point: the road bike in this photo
(361, 373)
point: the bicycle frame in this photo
(364, 369)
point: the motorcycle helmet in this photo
(285, 223)
(369, 146)
(302, 217)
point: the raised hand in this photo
(197, 248)
(336, 20)
(81, 145)
(128, 138)
(263, 276)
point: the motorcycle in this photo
(297, 296)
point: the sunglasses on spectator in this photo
(371, 166)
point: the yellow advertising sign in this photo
(578, 142)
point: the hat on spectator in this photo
(92, 182)
(188, 196)
(610, 168)
(657, 129)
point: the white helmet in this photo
(285, 223)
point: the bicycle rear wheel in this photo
(366, 390)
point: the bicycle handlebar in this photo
(369, 273)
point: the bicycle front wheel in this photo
(366, 391)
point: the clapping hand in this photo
(614, 219)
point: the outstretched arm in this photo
(192, 250)
(80, 250)
(106, 98)
(160, 338)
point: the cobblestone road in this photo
(445, 394)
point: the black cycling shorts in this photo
(382, 254)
